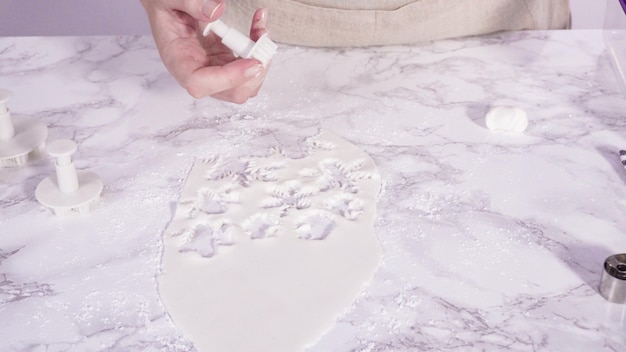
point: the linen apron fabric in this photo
(380, 22)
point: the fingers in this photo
(203, 66)
(236, 81)
(201, 10)
(213, 9)
(259, 24)
(242, 94)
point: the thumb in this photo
(201, 10)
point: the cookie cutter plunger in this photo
(68, 190)
(20, 138)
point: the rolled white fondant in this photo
(269, 264)
(506, 118)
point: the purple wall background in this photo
(114, 17)
(72, 17)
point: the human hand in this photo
(203, 65)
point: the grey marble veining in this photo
(491, 241)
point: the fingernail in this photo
(261, 16)
(210, 7)
(253, 71)
(259, 24)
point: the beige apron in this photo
(379, 22)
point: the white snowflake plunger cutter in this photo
(21, 138)
(262, 50)
(68, 190)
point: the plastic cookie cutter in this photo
(262, 50)
(19, 139)
(68, 190)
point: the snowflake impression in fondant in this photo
(264, 197)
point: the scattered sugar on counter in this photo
(507, 118)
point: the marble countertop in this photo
(491, 241)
